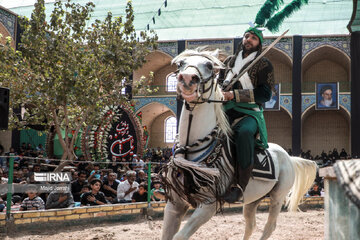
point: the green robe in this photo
(253, 122)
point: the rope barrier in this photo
(75, 161)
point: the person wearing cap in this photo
(244, 106)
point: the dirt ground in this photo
(229, 226)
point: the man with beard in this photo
(326, 94)
(244, 106)
(76, 186)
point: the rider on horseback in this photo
(244, 106)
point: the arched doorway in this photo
(325, 130)
(154, 116)
(326, 64)
(279, 127)
(282, 64)
(160, 64)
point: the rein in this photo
(201, 90)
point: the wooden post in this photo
(342, 217)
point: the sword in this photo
(255, 61)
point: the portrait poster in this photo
(274, 103)
(327, 96)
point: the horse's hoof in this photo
(233, 195)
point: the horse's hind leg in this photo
(200, 216)
(173, 214)
(274, 210)
(250, 220)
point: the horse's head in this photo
(196, 73)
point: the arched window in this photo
(171, 82)
(170, 129)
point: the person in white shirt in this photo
(138, 163)
(126, 189)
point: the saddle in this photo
(263, 164)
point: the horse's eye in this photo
(180, 64)
(209, 65)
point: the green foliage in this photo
(66, 71)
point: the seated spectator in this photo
(141, 177)
(137, 163)
(343, 154)
(114, 166)
(159, 190)
(141, 194)
(76, 186)
(2, 159)
(40, 149)
(74, 175)
(15, 204)
(110, 186)
(32, 202)
(94, 197)
(57, 199)
(36, 168)
(95, 173)
(81, 165)
(2, 204)
(315, 190)
(127, 188)
(85, 189)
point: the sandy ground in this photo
(230, 226)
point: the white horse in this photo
(201, 170)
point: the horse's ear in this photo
(215, 53)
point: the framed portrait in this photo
(327, 96)
(274, 103)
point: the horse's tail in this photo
(305, 174)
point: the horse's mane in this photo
(211, 55)
(221, 118)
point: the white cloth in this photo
(123, 187)
(240, 62)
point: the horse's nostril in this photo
(195, 79)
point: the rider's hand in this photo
(228, 95)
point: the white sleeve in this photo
(121, 191)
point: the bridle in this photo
(201, 90)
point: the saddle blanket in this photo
(264, 168)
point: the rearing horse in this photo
(201, 170)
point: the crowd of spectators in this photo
(324, 158)
(123, 180)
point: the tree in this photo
(66, 72)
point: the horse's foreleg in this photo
(173, 214)
(200, 216)
(250, 220)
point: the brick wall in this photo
(30, 220)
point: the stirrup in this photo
(235, 194)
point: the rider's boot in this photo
(235, 193)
